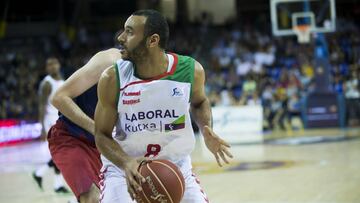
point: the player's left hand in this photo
(216, 145)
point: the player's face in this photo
(52, 66)
(132, 41)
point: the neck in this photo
(152, 65)
(56, 76)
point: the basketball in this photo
(164, 182)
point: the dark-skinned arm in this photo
(105, 119)
(201, 111)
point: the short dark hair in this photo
(155, 24)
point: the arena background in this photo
(290, 110)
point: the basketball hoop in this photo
(303, 33)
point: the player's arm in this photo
(200, 104)
(44, 93)
(105, 119)
(79, 82)
(201, 111)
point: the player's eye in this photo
(129, 32)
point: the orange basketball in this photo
(164, 183)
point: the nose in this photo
(120, 38)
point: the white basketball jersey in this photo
(51, 113)
(153, 115)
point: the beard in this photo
(137, 53)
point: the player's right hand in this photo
(133, 177)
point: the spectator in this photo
(352, 95)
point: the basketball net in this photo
(303, 33)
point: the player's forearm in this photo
(73, 112)
(111, 149)
(202, 114)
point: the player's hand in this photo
(133, 177)
(216, 145)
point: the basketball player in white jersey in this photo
(48, 115)
(147, 95)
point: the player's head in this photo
(52, 66)
(144, 31)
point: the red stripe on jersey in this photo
(171, 72)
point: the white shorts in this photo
(114, 189)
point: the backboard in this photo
(286, 15)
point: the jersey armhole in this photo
(117, 83)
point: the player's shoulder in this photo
(107, 82)
(181, 57)
(185, 59)
(198, 66)
(46, 80)
(45, 84)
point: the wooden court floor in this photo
(322, 172)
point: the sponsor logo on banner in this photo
(12, 131)
(238, 124)
(176, 125)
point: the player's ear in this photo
(154, 40)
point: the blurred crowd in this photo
(249, 67)
(244, 66)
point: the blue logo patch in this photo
(176, 92)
